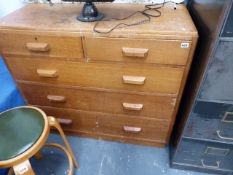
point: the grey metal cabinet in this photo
(203, 134)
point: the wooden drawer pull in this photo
(132, 129)
(135, 52)
(132, 107)
(47, 73)
(64, 121)
(56, 98)
(134, 80)
(38, 47)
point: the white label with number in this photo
(22, 169)
(184, 45)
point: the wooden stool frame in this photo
(20, 164)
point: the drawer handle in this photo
(135, 52)
(210, 166)
(38, 47)
(173, 103)
(226, 115)
(132, 129)
(222, 137)
(47, 73)
(56, 98)
(216, 151)
(64, 121)
(132, 107)
(134, 80)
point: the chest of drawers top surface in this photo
(62, 18)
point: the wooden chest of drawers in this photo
(124, 86)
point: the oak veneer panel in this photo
(150, 129)
(172, 24)
(66, 47)
(81, 120)
(102, 75)
(102, 124)
(131, 140)
(159, 51)
(109, 102)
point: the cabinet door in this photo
(218, 84)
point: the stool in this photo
(23, 132)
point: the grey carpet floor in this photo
(97, 157)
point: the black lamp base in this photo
(90, 13)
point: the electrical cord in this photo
(147, 13)
(150, 11)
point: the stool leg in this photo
(10, 172)
(71, 162)
(23, 168)
(38, 155)
(54, 123)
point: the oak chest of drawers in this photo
(124, 86)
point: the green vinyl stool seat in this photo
(23, 132)
(20, 128)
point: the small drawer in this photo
(205, 155)
(134, 127)
(65, 47)
(109, 102)
(127, 77)
(217, 116)
(73, 120)
(171, 52)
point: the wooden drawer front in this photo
(105, 75)
(217, 116)
(147, 51)
(102, 125)
(133, 127)
(205, 155)
(116, 103)
(70, 48)
(81, 121)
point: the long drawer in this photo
(172, 52)
(73, 120)
(212, 156)
(115, 125)
(109, 102)
(211, 121)
(133, 127)
(130, 77)
(34, 44)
